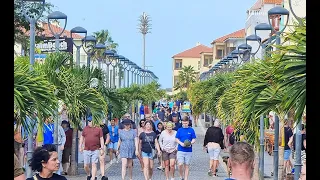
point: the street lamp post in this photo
(120, 68)
(78, 30)
(132, 69)
(108, 53)
(32, 20)
(275, 14)
(99, 46)
(89, 44)
(57, 15)
(255, 37)
(127, 61)
(114, 63)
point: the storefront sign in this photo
(46, 46)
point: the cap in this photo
(89, 118)
(64, 122)
(126, 121)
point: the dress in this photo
(127, 146)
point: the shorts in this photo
(91, 156)
(184, 157)
(286, 155)
(166, 156)
(66, 155)
(147, 155)
(113, 145)
(214, 153)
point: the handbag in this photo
(153, 151)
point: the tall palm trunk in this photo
(74, 164)
(256, 166)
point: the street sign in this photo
(186, 107)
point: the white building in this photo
(257, 14)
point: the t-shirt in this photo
(92, 137)
(303, 136)
(184, 134)
(141, 109)
(17, 167)
(168, 142)
(114, 135)
(171, 104)
(156, 122)
(48, 132)
(161, 114)
(53, 177)
(105, 131)
(69, 134)
(177, 125)
(147, 138)
(287, 134)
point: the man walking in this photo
(241, 161)
(185, 137)
(93, 141)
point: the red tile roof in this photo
(193, 52)
(47, 33)
(238, 34)
(259, 3)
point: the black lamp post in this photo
(78, 30)
(57, 15)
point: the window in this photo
(199, 64)
(175, 80)
(219, 54)
(178, 64)
(232, 49)
(208, 60)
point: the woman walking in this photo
(45, 161)
(127, 147)
(168, 144)
(147, 144)
(140, 130)
(213, 143)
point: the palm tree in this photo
(186, 77)
(104, 37)
(32, 93)
(73, 89)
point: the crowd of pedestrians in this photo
(165, 136)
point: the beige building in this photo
(222, 46)
(198, 57)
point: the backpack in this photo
(232, 138)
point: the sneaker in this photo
(159, 168)
(214, 175)
(88, 177)
(104, 178)
(209, 173)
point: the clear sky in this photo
(177, 25)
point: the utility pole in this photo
(144, 27)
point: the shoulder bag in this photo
(153, 152)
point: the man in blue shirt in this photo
(48, 132)
(185, 137)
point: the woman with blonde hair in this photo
(168, 145)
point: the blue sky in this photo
(177, 25)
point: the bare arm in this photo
(21, 177)
(157, 145)
(304, 144)
(119, 143)
(179, 142)
(290, 143)
(81, 143)
(102, 142)
(108, 139)
(136, 143)
(160, 140)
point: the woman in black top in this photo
(147, 144)
(45, 161)
(213, 143)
